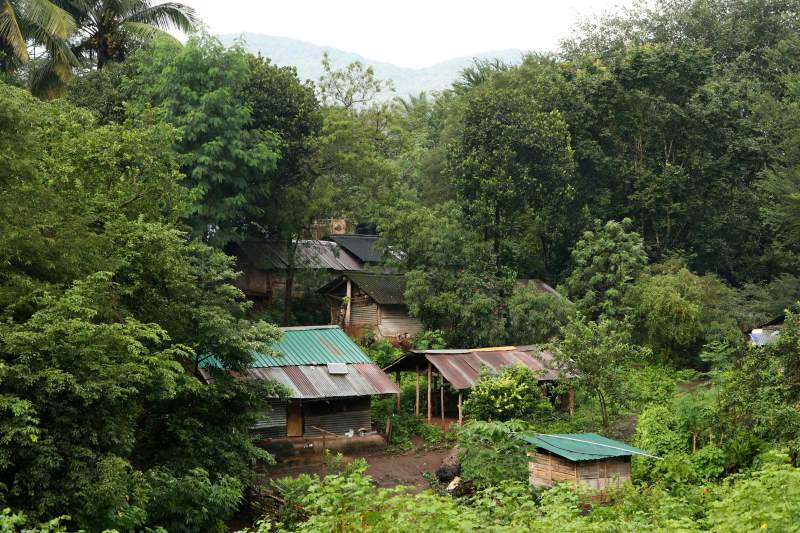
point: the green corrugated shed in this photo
(583, 446)
(311, 345)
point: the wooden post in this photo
(441, 393)
(430, 393)
(460, 418)
(571, 401)
(416, 405)
(397, 378)
(349, 298)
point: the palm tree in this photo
(37, 22)
(109, 29)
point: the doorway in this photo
(294, 419)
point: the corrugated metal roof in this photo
(314, 381)
(302, 365)
(583, 446)
(361, 246)
(271, 255)
(312, 345)
(462, 367)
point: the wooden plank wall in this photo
(611, 472)
(545, 469)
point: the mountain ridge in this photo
(306, 57)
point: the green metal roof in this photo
(310, 345)
(583, 446)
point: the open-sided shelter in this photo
(331, 383)
(586, 459)
(461, 368)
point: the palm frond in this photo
(167, 15)
(49, 17)
(10, 32)
(144, 31)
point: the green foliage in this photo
(429, 339)
(595, 355)
(535, 316)
(198, 89)
(607, 259)
(512, 155)
(451, 281)
(383, 352)
(493, 452)
(99, 341)
(674, 312)
(192, 502)
(511, 393)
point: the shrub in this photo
(493, 452)
(513, 393)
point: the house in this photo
(585, 459)
(330, 381)
(461, 368)
(263, 265)
(365, 301)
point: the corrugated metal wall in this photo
(337, 416)
(363, 313)
(396, 321)
(273, 423)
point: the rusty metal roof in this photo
(462, 367)
(301, 364)
(311, 382)
(271, 255)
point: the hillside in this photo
(306, 57)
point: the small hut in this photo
(586, 459)
(366, 301)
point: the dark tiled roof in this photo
(361, 246)
(271, 255)
(385, 289)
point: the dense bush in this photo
(511, 393)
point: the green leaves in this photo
(607, 259)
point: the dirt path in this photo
(388, 470)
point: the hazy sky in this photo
(409, 33)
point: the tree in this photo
(595, 354)
(607, 259)
(352, 87)
(451, 281)
(109, 30)
(39, 21)
(675, 312)
(512, 155)
(536, 316)
(108, 309)
(199, 89)
(281, 104)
